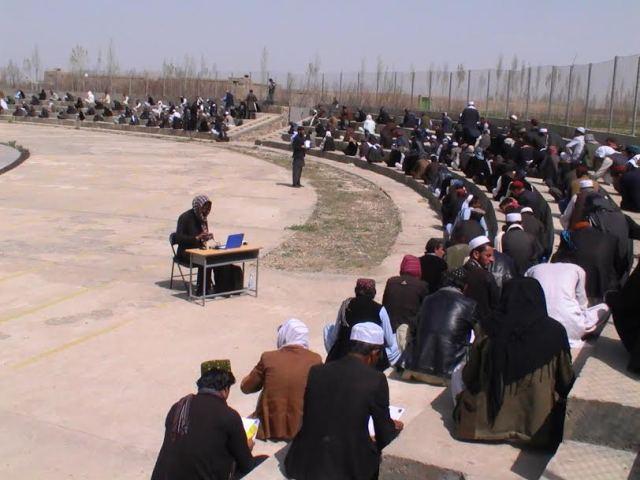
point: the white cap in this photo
(581, 130)
(514, 217)
(455, 144)
(513, 117)
(478, 242)
(543, 130)
(586, 183)
(471, 103)
(367, 332)
(526, 209)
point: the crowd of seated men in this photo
(492, 320)
(210, 115)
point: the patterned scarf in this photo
(198, 202)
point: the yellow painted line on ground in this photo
(42, 306)
(66, 346)
(17, 274)
(73, 343)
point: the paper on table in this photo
(251, 427)
(394, 412)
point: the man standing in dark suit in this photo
(334, 441)
(299, 146)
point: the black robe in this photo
(214, 445)
(334, 441)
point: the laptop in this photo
(233, 241)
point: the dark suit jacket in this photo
(334, 441)
(186, 231)
(432, 267)
(214, 442)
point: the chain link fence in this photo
(600, 96)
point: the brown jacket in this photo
(282, 376)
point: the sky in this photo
(402, 33)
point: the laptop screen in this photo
(235, 240)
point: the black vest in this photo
(360, 310)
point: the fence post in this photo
(635, 101)
(526, 108)
(377, 85)
(322, 91)
(340, 91)
(553, 81)
(413, 79)
(488, 85)
(395, 88)
(468, 85)
(430, 83)
(566, 111)
(613, 89)
(586, 102)
(449, 102)
(358, 85)
(164, 79)
(130, 79)
(508, 93)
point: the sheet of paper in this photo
(251, 427)
(394, 412)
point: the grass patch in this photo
(352, 228)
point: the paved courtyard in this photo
(95, 347)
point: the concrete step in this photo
(584, 461)
(603, 407)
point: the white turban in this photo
(514, 217)
(478, 242)
(293, 332)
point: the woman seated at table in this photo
(193, 232)
(282, 376)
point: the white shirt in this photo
(370, 126)
(604, 151)
(575, 147)
(565, 294)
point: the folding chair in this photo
(176, 261)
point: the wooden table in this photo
(208, 258)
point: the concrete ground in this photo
(95, 347)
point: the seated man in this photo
(566, 299)
(517, 379)
(282, 377)
(440, 337)
(193, 232)
(403, 294)
(334, 441)
(481, 284)
(432, 263)
(359, 309)
(204, 437)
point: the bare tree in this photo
(27, 69)
(461, 74)
(36, 63)
(98, 66)
(111, 63)
(264, 64)
(13, 74)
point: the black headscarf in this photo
(523, 338)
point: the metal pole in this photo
(413, 79)
(566, 111)
(586, 102)
(322, 91)
(164, 79)
(450, 81)
(613, 89)
(340, 91)
(635, 101)
(377, 85)
(358, 85)
(508, 93)
(553, 81)
(430, 83)
(395, 88)
(468, 85)
(526, 108)
(488, 86)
